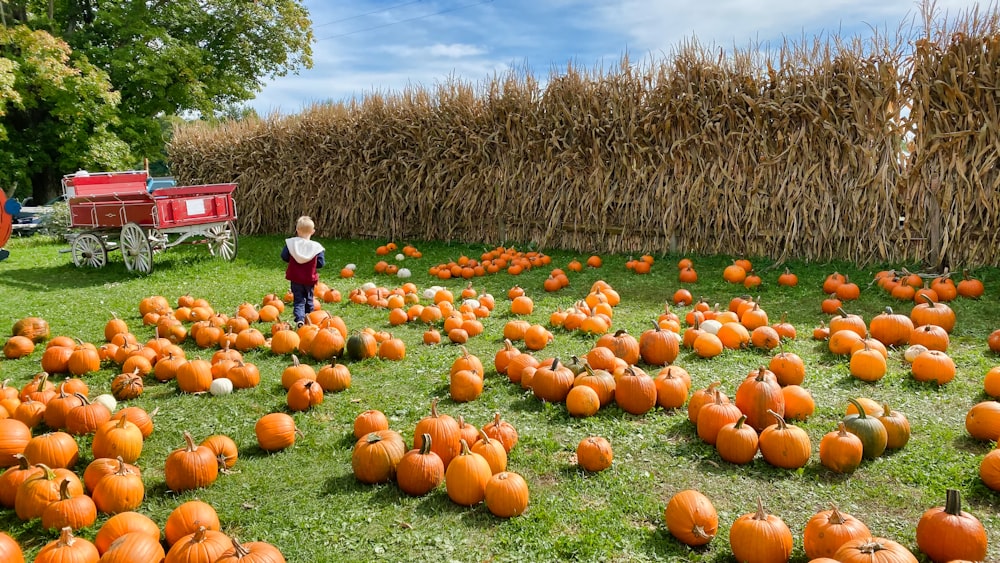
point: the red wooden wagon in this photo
(125, 211)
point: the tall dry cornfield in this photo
(800, 152)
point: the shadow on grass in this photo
(527, 403)
(437, 503)
(346, 483)
(433, 504)
(969, 444)
(61, 277)
(346, 442)
(662, 543)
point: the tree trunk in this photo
(45, 186)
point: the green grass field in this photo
(306, 501)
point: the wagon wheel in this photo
(89, 250)
(222, 241)
(136, 249)
(158, 240)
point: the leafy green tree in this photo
(191, 58)
(56, 111)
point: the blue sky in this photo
(365, 46)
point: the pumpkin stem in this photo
(781, 420)
(66, 538)
(841, 430)
(484, 437)
(496, 415)
(465, 447)
(842, 312)
(699, 532)
(953, 502)
(64, 490)
(22, 462)
(434, 407)
(861, 409)
(191, 446)
(739, 423)
(49, 474)
(295, 360)
(761, 513)
(426, 447)
(199, 535)
(717, 396)
(555, 364)
(835, 516)
(870, 547)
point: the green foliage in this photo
(57, 108)
(156, 59)
(168, 58)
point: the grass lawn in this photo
(306, 501)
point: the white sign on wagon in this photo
(195, 207)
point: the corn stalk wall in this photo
(797, 156)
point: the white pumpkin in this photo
(431, 291)
(913, 351)
(400, 257)
(711, 326)
(367, 286)
(351, 267)
(107, 400)
(474, 303)
(221, 386)
(403, 273)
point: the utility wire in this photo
(455, 9)
(393, 7)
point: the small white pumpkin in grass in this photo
(431, 291)
(471, 303)
(400, 257)
(368, 285)
(403, 273)
(107, 400)
(221, 386)
(913, 351)
(351, 267)
(711, 326)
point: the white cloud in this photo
(438, 50)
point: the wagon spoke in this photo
(222, 241)
(89, 250)
(136, 249)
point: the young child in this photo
(304, 256)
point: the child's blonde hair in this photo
(305, 224)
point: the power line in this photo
(393, 7)
(455, 9)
